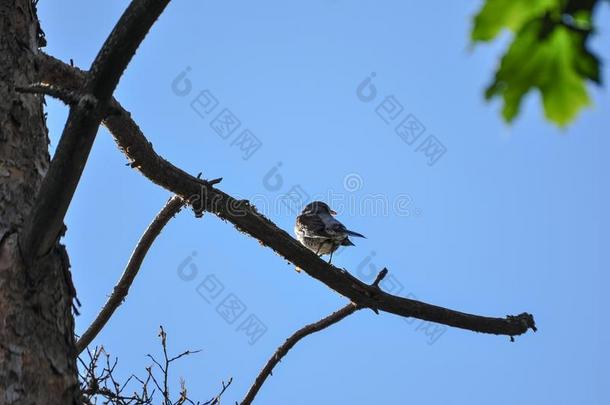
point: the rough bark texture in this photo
(37, 352)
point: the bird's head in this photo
(318, 207)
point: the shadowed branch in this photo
(204, 197)
(44, 225)
(121, 290)
(297, 336)
(67, 96)
(291, 342)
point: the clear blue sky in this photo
(509, 219)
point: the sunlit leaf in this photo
(549, 54)
(551, 59)
(512, 14)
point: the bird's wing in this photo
(311, 226)
(334, 227)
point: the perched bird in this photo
(319, 232)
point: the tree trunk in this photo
(37, 352)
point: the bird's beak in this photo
(333, 212)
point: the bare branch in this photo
(67, 96)
(300, 334)
(293, 340)
(184, 353)
(120, 291)
(44, 225)
(240, 213)
(102, 384)
(216, 399)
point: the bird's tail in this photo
(352, 233)
(347, 242)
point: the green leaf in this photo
(552, 59)
(512, 14)
(565, 91)
(588, 66)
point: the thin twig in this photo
(216, 399)
(300, 334)
(120, 291)
(163, 336)
(44, 225)
(103, 385)
(289, 344)
(245, 217)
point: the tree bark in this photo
(37, 346)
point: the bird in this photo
(320, 232)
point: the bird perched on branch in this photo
(320, 232)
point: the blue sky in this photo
(509, 219)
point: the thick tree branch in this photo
(297, 336)
(121, 290)
(245, 217)
(44, 225)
